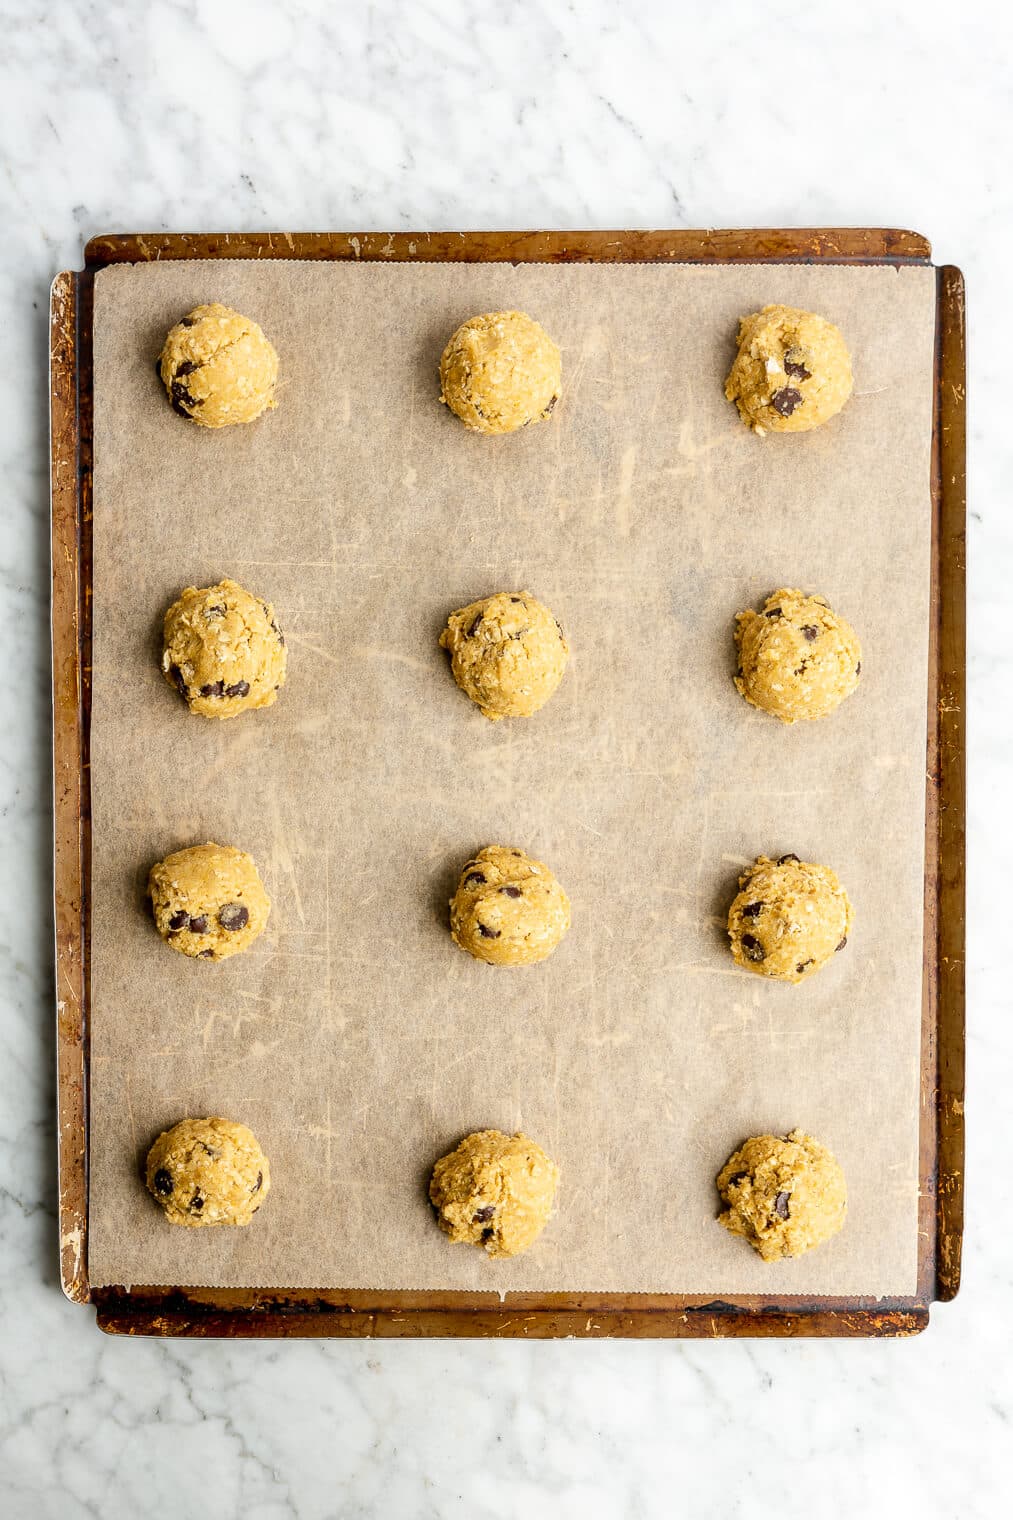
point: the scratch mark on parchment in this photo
(324, 1132)
(130, 1115)
(627, 465)
(281, 856)
(371, 653)
(304, 643)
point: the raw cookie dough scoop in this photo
(784, 1196)
(208, 1171)
(508, 910)
(790, 917)
(209, 901)
(508, 653)
(499, 372)
(217, 367)
(494, 1191)
(222, 650)
(797, 658)
(792, 371)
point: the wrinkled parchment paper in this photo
(355, 1039)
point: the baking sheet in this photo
(355, 1039)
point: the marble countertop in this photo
(302, 114)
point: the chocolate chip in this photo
(810, 632)
(488, 933)
(844, 941)
(803, 964)
(216, 689)
(511, 891)
(179, 919)
(218, 611)
(800, 670)
(773, 612)
(785, 401)
(188, 322)
(784, 859)
(240, 689)
(781, 1205)
(515, 598)
(258, 1184)
(473, 876)
(181, 398)
(488, 1233)
(233, 916)
(162, 1182)
(736, 1178)
(177, 678)
(858, 668)
(474, 627)
(186, 368)
(518, 853)
(196, 1202)
(199, 925)
(752, 909)
(484, 1214)
(796, 370)
(205, 955)
(751, 945)
(551, 404)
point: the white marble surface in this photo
(181, 114)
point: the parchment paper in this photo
(355, 1039)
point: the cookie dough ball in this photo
(217, 367)
(789, 918)
(507, 652)
(494, 1191)
(209, 901)
(499, 372)
(208, 1171)
(792, 371)
(223, 650)
(785, 1196)
(797, 658)
(508, 910)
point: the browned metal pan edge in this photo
(857, 245)
(951, 761)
